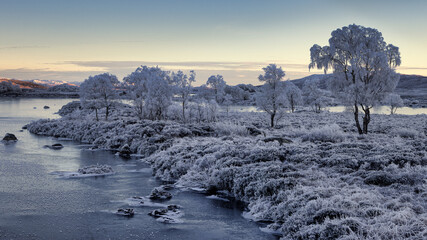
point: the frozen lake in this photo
(36, 204)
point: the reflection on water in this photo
(385, 110)
(36, 204)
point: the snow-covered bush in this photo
(69, 108)
(332, 133)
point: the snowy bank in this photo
(311, 177)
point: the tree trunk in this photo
(356, 118)
(366, 120)
(292, 104)
(183, 111)
(96, 114)
(272, 119)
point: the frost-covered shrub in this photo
(405, 132)
(325, 183)
(332, 133)
(228, 128)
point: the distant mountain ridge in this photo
(50, 83)
(24, 84)
(36, 83)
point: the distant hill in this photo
(37, 88)
(323, 80)
(413, 88)
(50, 83)
(24, 84)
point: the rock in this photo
(96, 169)
(125, 151)
(128, 212)
(25, 127)
(46, 107)
(9, 137)
(281, 140)
(167, 215)
(160, 194)
(55, 146)
(253, 131)
(158, 212)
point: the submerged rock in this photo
(55, 146)
(128, 212)
(9, 137)
(159, 193)
(46, 107)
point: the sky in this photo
(71, 40)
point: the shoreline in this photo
(280, 172)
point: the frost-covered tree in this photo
(271, 97)
(293, 95)
(394, 101)
(150, 90)
(99, 91)
(218, 84)
(212, 110)
(314, 96)
(159, 98)
(228, 101)
(363, 68)
(183, 87)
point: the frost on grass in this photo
(327, 182)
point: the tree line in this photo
(363, 75)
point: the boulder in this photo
(128, 212)
(160, 194)
(9, 137)
(171, 214)
(125, 151)
(253, 131)
(46, 107)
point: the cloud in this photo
(188, 65)
(233, 72)
(22, 47)
(411, 68)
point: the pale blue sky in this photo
(70, 40)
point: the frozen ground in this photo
(313, 177)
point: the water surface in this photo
(35, 204)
